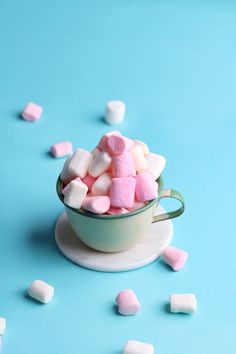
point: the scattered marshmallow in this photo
(138, 157)
(41, 291)
(146, 187)
(185, 303)
(3, 324)
(102, 185)
(136, 347)
(102, 145)
(89, 181)
(144, 146)
(122, 192)
(32, 112)
(175, 258)
(117, 211)
(75, 193)
(100, 164)
(96, 204)
(123, 165)
(115, 112)
(77, 165)
(127, 302)
(61, 149)
(0, 343)
(119, 144)
(154, 164)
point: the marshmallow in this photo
(146, 187)
(127, 302)
(115, 112)
(0, 343)
(154, 164)
(185, 303)
(75, 193)
(89, 181)
(102, 185)
(41, 291)
(61, 149)
(119, 144)
(175, 258)
(137, 205)
(122, 192)
(102, 145)
(32, 112)
(138, 157)
(100, 164)
(95, 151)
(123, 165)
(117, 211)
(136, 347)
(96, 204)
(144, 146)
(3, 324)
(77, 165)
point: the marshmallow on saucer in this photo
(115, 112)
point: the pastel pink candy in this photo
(102, 145)
(146, 187)
(122, 192)
(119, 144)
(123, 165)
(175, 257)
(61, 149)
(128, 303)
(89, 181)
(96, 204)
(117, 211)
(32, 112)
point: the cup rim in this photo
(82, 212)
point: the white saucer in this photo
(145, 252)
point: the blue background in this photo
(173, 63)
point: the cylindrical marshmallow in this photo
(119, 144)
(61, 149)
(144, 146)
(137, 205)
(75, 193)
(96, 204)
(32, 112)
(136, 347)
(146, 187)
(155, 164)
(41, 291)
(102, 185)
(122, 192)
(77, 165)
(89, 181)
(102, 144)
(123, 165)
(115, 112)
(175, 257)
(138, 157)
(3, 324)
(95, 151)
(0, 343)
(185, 303)
(100, 164)
(127, 302)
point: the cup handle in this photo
(170, 193)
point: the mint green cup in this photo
(114, 233)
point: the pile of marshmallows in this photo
(117, 177)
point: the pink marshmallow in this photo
(122, 192)
(123, 165)
(146, 187)
(96, 204)
(119, 144)
(128, 303)
(175, 258)
(89, 181)
(61, 149)
(137, 205)
(102, 145)
(32, 112)
(117, 211)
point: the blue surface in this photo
(173, 63)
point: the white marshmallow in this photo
(115, 112)
(100, 164)
(95, 151)
(144, 146)
(75, 193)
(41, 291)
(186, 303)
(155, 164)
(3, 324)
(138, 157)
(136, 347)
(102, 185)
(77, 165)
